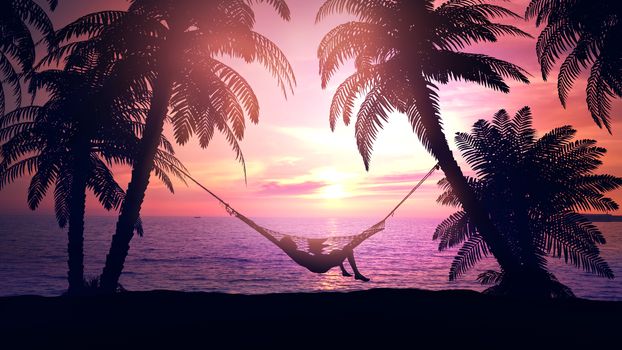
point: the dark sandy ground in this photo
(389, 318)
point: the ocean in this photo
(224, 255)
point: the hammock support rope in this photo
(327, 244)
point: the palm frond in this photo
(344, 98)
(490, 277)
(574, 239)
(346, 41)
(587, 35)
(364, 10)
(472, 251)
(88, 25)
(101, 181)
(40, 183)
(10, 173)
(454, 230)
(62, 194)
(369, 120)
(10, 79)
(279, 5)
(599, 96)
(534, 188)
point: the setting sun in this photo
(335, 191)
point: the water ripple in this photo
(224, 255)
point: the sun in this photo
(334, 191)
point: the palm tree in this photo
(534, 188)
(171, 47)
(69, 143)
(401, 48)
(588, 35)
(17, 47)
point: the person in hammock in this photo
(318, 262)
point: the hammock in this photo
(315, 246)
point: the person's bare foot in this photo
(361, 278)
(346, 274)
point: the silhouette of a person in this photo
(318, 262)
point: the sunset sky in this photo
(298, 167)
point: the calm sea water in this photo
(224, 255)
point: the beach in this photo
(407, 315)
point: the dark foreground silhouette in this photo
(443, 317)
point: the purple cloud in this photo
(274, 188)
(410, 178)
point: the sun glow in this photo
(335, 191)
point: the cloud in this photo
(401, 178)
(274, 188)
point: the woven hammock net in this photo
(316, 246)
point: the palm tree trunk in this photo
(75, 235)
(143, 164)
(470, 204)
(439, 148)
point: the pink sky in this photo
(298, 167)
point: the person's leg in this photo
(344, 272)
(357, 274)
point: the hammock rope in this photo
(316, 245)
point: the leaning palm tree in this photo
(17, 46)
(588, 35)
(534, 188)
(69, 143)
(172, 47)
(401, 50)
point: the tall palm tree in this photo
(401, 50)
(172, 47)
(17, 46)
(588, 35)
(534, 188)
(69, 143)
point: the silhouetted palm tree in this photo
(401, 48)
(171, 47)
(534, 188)
(17, 46)
(588, 34)
(68, 143)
